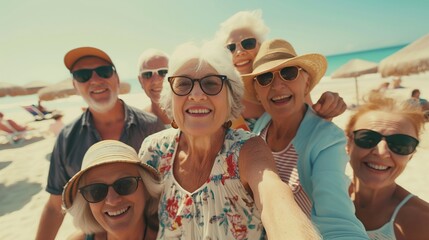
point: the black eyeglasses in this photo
(97, 192)
(247, 44)
(398, 143)
(286, 73)
(211, 84)
(83, 75)
(149, 73)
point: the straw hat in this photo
(102, 153)
(75, 54)
(276, 54)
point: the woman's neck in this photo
(367, 197)
(133, 233)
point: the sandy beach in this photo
(24, 168)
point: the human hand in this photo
(329, 105)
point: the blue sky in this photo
(35, 35)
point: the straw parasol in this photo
(355, 68)
(413, 58)
(65, 88)
(34, 86)
(10, 89)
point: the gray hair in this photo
(84, 220)
(148, 54)
(250, 20)
(217, 56)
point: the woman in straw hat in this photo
(220, 183)
(114, 195)
(382, 137)
(242, 34)
(309, 151)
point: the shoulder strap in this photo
(402, 203)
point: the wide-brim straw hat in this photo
(102, 153)
(276, 54)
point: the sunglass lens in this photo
(95, 192)
(366, 138)
(147, 75)
(249, 43)
(289, 73)
(162, 72)
(104, 71)
(125, 186)
(82, 75)
(231, 47)
(265, 78)
(181, 86)
(401, 144)
(211, 85)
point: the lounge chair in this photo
(16, 138)
(37, 114)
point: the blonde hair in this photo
(85, 221)
(250, 20)
(379, 102)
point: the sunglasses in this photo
(149, 73)
(83, 75)
(398, 143)
(211, 84)
(97, 192)
(247, 44)
(286, 73)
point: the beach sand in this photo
(24, 168)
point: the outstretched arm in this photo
(328, 106)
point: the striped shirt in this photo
(286, 162)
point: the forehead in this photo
(386, 123)
(89, 62)
(240, 34)
(195, 68)
(110, 172)
(155, 62)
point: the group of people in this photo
(246, 155)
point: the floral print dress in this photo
(219, 209)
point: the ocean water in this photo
(334, 62)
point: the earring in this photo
(174, 124)
(227, 124)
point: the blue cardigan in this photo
(322, 160)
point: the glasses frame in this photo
(233, 46)
(92, 70)
(153, 72)
(83, 190)
(278, 71)
(388, 140)
(223, 78)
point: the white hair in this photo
(149, 54)
(217, 57)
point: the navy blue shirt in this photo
(75, 139)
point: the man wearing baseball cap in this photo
(107, 117)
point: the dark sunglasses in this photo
(247, 44)
(211, 84)
(149, 73)
(97, 192)
(83, 75)
(398, 143)
(286, 73)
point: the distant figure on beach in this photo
(382, 137)
(153, 67)
(309, 151)
(382, 87)
(107, 117)
(415, 98)
(114, 195)
(242, 34)
(42, 108)
(396, 83)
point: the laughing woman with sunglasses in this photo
(382, 138)
(219, 183)
(114, 195)
(309, 152)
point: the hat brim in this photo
(314, 64)
(71, 188)
(74, 55)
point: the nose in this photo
(112, 197)
(382, 148)
(197, 93)
(277, 81)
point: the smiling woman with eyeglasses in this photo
(114, 195)
(382, 136)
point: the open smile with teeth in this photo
(239, 64)
(117, 213)
(198, 111)
(98, 91)
(377, 167)
(282, 98)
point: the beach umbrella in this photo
(413, 58)
(65, 88)
(34, 86)
(353, 69)
(10, 89)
